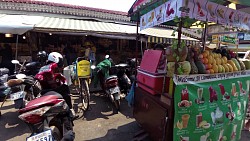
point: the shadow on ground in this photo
(122, 133)
(11, 126)
(103, 108)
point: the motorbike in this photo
(29, 69)
(20, 90)
(48, 117)
(122, 72)
(4, 73)
(109, 84)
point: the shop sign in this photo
(215, 39)
(244, 37)
(229, 40)
(210, 107)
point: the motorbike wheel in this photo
(57, 136)
(84, 94)
(117, 104)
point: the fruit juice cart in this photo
(204, 92)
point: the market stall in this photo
(201, 94)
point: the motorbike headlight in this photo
(93, 67)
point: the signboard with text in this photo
(210, 107)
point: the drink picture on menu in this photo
(205, 137)
(230, 114)
(200, 123)
(225, 95)
(242, 91)
(213, 94)
(183, 123)
(217, 116)
(185, 99)
(233, 90)
(221, 136)
(200, 99)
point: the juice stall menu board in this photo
(210, 107)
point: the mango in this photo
(230, 67)
(215, 68)
(236, 64)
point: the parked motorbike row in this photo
(45, 111)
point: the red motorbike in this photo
(48, 117)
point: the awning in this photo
(157, 35)
(86, 27)
(99, 29)
(18, 24)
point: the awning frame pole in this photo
(16, 49)
(136, 45)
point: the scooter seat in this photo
(48, 99)
(111, 77)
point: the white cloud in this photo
(117, 5)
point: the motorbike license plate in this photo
(17, 95)
(44, 136)
(114, 90)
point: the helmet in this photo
(41, 55)
(56, 58)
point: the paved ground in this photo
(101, 123)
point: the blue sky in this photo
(117, 5)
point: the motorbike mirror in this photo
(20, 76)
(93, 67)
(106, 56)
(15, 62)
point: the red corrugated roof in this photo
(67, 6)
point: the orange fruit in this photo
(202, 60)
(205, 60)
(211, 71)
(208, 71)
(200, 56)
(204, 55)
(210, 66)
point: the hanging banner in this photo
(210, 107)
(221, 13)
(143, 22)
(230, 16)
(186, 8)
(238, 18)
(170, 11)
(159, 12)
(211, 7)
(200, 12)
